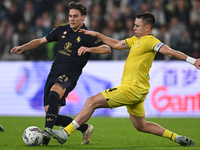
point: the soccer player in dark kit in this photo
(67, 67)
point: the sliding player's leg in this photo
(142, 125)
(97, 101)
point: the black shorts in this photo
(68, 83)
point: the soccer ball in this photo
(32, 136)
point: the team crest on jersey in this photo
(78, 39)
(137, 45)
(64, 33)
(68, 45)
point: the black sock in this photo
(52, 111)
(66, 120)
(63, 120)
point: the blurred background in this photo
(178, 24)
(174, 91)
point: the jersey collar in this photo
(70, 29)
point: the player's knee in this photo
(91, 102)
(140, 128)
(59, 89)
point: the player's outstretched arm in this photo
(179, 55)
(103, 49)
(116, 44)
(197, 63)
(28, 46)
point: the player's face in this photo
(75, 19)
(139, 28)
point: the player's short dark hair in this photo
(78, 6)
(148, 18)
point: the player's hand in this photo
(17, 50)
(83, 50)
(197, 64)
(92, 33)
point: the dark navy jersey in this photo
(67, 60)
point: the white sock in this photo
(76, 125)
(65, 133)
(176, 138)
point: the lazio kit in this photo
(135, 79)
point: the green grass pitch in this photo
(109, 134)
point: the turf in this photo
(109, 133)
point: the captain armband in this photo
(158, 46)
(190, 60)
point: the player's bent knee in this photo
(96, 102)
(59, 89)
(92, 102)
(140, 128)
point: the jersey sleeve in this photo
(129, 41)
(94, 41)
(154, 44)
(158, 46)
(52, 36)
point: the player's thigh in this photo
(115, 97)
(63, 84)
(59, 89)
(67, 83)
(138, 122)
(137, 109)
